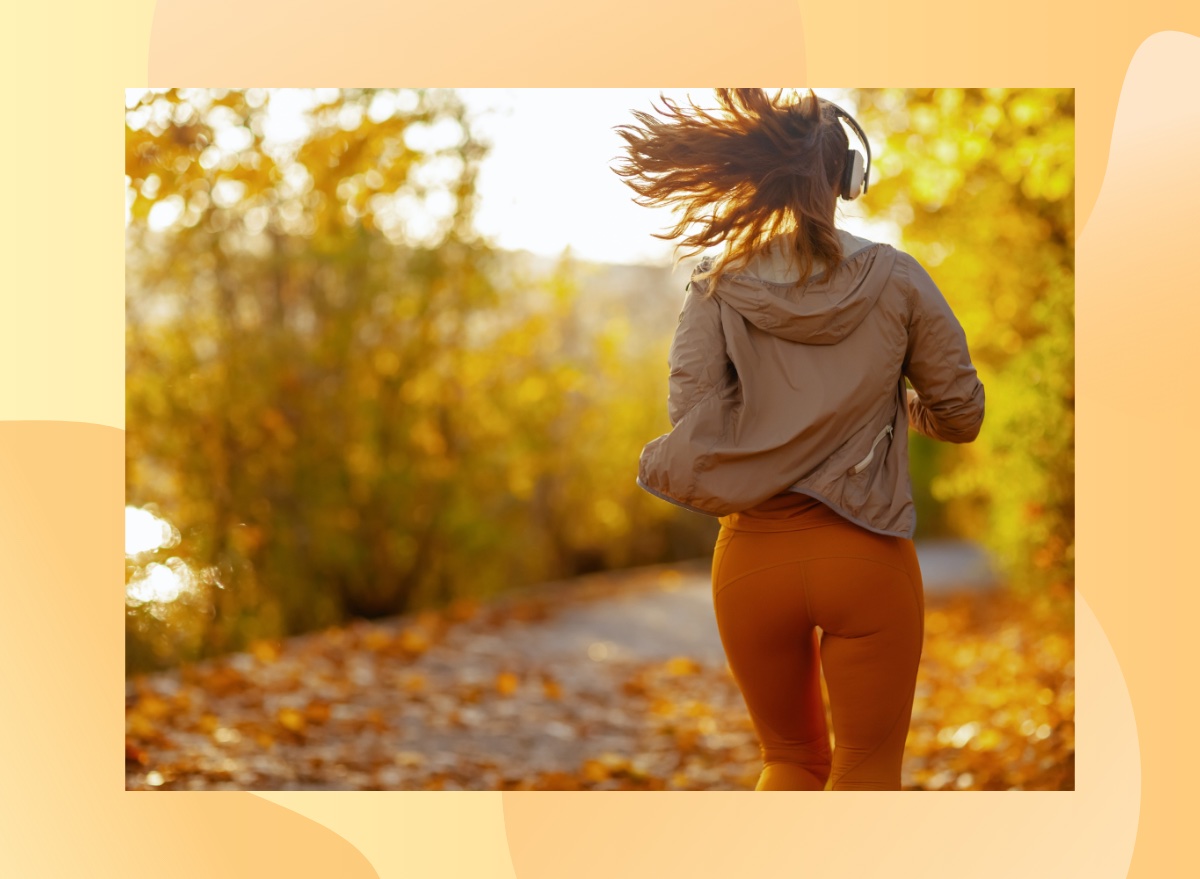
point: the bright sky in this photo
(547, 182)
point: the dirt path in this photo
(611, 680)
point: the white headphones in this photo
(855, 175)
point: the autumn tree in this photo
(347, 402)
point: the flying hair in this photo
(758, 167)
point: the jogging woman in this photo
(790, 408)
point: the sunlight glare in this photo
(160, 583)
(165, 212)
(146, 532)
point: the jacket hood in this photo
(819, 311)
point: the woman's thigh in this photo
(770, 643)
(870, 608)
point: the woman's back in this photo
(785, 384)
(788, 510)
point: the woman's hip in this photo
(738, 553)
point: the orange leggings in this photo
(780, 571)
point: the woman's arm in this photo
(948, 403)
(697, 358)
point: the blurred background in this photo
(391, 357)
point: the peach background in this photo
(64, 810)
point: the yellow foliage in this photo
(994, 171)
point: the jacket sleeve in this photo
(949, 401)
(697, 358)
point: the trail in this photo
(533, 686)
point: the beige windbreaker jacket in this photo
(776, 385)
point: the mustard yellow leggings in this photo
(779, 572)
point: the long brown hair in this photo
(767, 167)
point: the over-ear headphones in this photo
(855, 174)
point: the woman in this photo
(790, 414)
